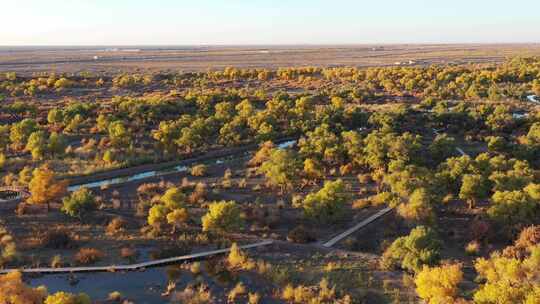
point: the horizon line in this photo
(270, 44)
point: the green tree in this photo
(119, 134)
(21, 131)
(513, 207)
(322, 144)
(79, 203)
(55, 116)
(419, 207)
(411, 252)
(441, 148)
(57, 144)
(533, 136)
(37, 144)
(353, 144)
(280, 168)
(102, 122)
(73, 123)
(4, 137)
(166, 134)
(473, 189)
(224, 216)
(327, 204)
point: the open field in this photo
(176, 58)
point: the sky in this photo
(253, 22)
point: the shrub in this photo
(190, 295)
(177, 218)
(87, 256)
(116, 225)
(300, 235)
(56, 261)
(242, 184)
(128, 253)
(67, 298)
(238, 260)
(364, 178)
(199, 170)
(195, 268)
(314, 294)
(115, 296)
(198, 194)
(157, 216)
(420, 247)
(238, 290)
(262, 154)
(254, 298)
(472, 248)
(528, 237)
(173, 198)
(57, 239)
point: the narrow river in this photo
(165, 171)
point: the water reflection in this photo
(174, 169)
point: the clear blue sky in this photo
(187, 22)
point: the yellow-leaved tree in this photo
(509, 279)
(14, 291)
(439, 285)
(45, 188)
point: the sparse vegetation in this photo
(172, 163)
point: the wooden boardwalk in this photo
(354, 228)
(138, 266)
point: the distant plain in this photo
(114, 59)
